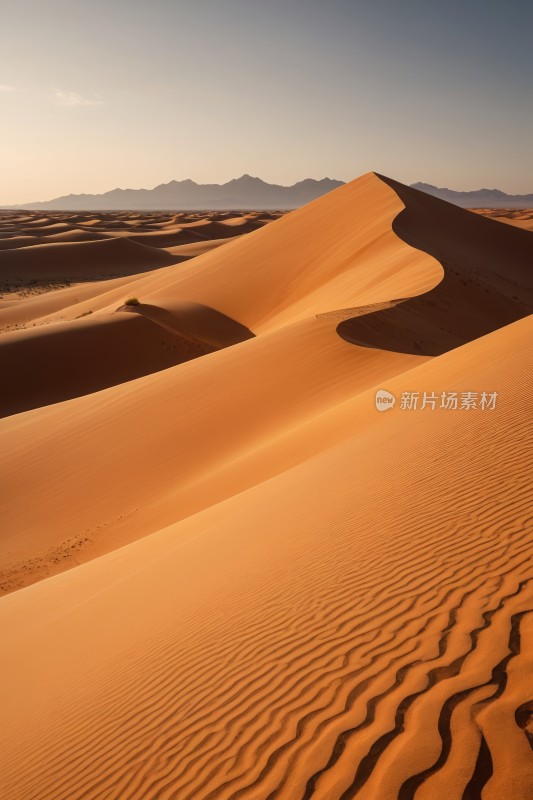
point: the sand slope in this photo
(302, 638)
(80, 260)
(61, 361)
(174, 442)
(71, 302)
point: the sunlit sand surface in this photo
(225, 573)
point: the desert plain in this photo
(224, 572)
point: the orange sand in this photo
(234, 577)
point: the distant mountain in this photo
(480, 198)
(247, 192)
(241, 193)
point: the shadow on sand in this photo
(488, 271)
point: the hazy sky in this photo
(96, 94)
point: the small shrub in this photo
(132, 301)
(85, 314)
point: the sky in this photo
(128, 93)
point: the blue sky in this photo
(95, 95)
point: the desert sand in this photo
(521, 217)
(224, 572)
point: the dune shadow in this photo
(52, 363)
(487, 281)
(199, 322)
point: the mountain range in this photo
(241, 193)
(248, 192)
(480, 198)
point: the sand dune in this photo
(41, 269)
(72, 302)
(62, 361)
(234, 577)
(197, 231)
(338, 648)
(313, 260)
(69, 302)
(79, 260)
(189, 453)
(193, 249)
(15, 242)
(169, 237)
(154, 230)
(487, 280)
(299, 286)
(520, 218)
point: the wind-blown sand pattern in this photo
(234, 578)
